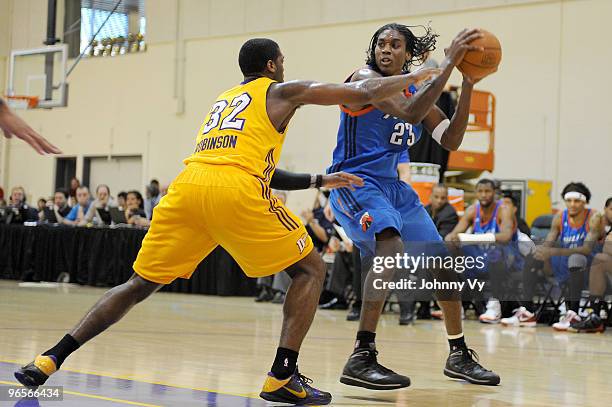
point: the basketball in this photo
(478, 64)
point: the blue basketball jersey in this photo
(370, 143)
(571, 236)
(491, 226)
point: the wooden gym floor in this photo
(184, 350)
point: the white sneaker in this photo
(565, 321)
(493, 313)
(521, 317)
(439, 314)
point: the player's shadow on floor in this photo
(474, 395)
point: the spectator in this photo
(576, 231)
(42, 202)
(445, 218)
(78, 211)
(56, 211)
(442, 213)
(134, 212)
(3, 209)
(153, 195)
(40, 208)
(341, 272)
(510, 201)
(121, 200)
(602, 265)
(491, 222)
(98, 212)
(74, 185)
(18, 210)
(319, 228)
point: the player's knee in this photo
(577, 262)
(389, 242)
(141, 288)
(311, 266)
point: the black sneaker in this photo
(334, 303)
(461, 365)
(37, 372)
(363, 370)
(424, 311)
(295, 390)
(591, 324)
(407, 315)
(355, 312)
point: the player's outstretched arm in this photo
(359, 93)
(13, 125)
(290, 181)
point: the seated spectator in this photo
(511, 202)
(340, 271)
(58, 209)
(600, 268)
(491, 222)
(98, 212)
(121, 200)
(18, 211)
(318, 227)
(41, 205)
(77, 214)
(567, 249)
(445, 218)
(442, 213)
(72, 196)
(134, 212)
(153, 195)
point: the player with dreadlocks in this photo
(384, 213)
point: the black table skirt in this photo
(103, 257)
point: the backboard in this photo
(38, 75)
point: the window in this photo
(121, 31)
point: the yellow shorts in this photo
(210, 205)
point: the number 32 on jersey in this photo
(231, 121)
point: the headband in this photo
(575, 195)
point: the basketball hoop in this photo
(22, 102)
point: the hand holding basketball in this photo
(463, 43)
(481, 62)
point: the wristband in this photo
(313, 181)
(319, 181)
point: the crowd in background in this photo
(77, 205)
(569, 257)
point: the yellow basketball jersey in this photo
(237, 131)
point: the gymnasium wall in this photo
(551, 87)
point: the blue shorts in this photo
(560, 267)
(378, 206)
